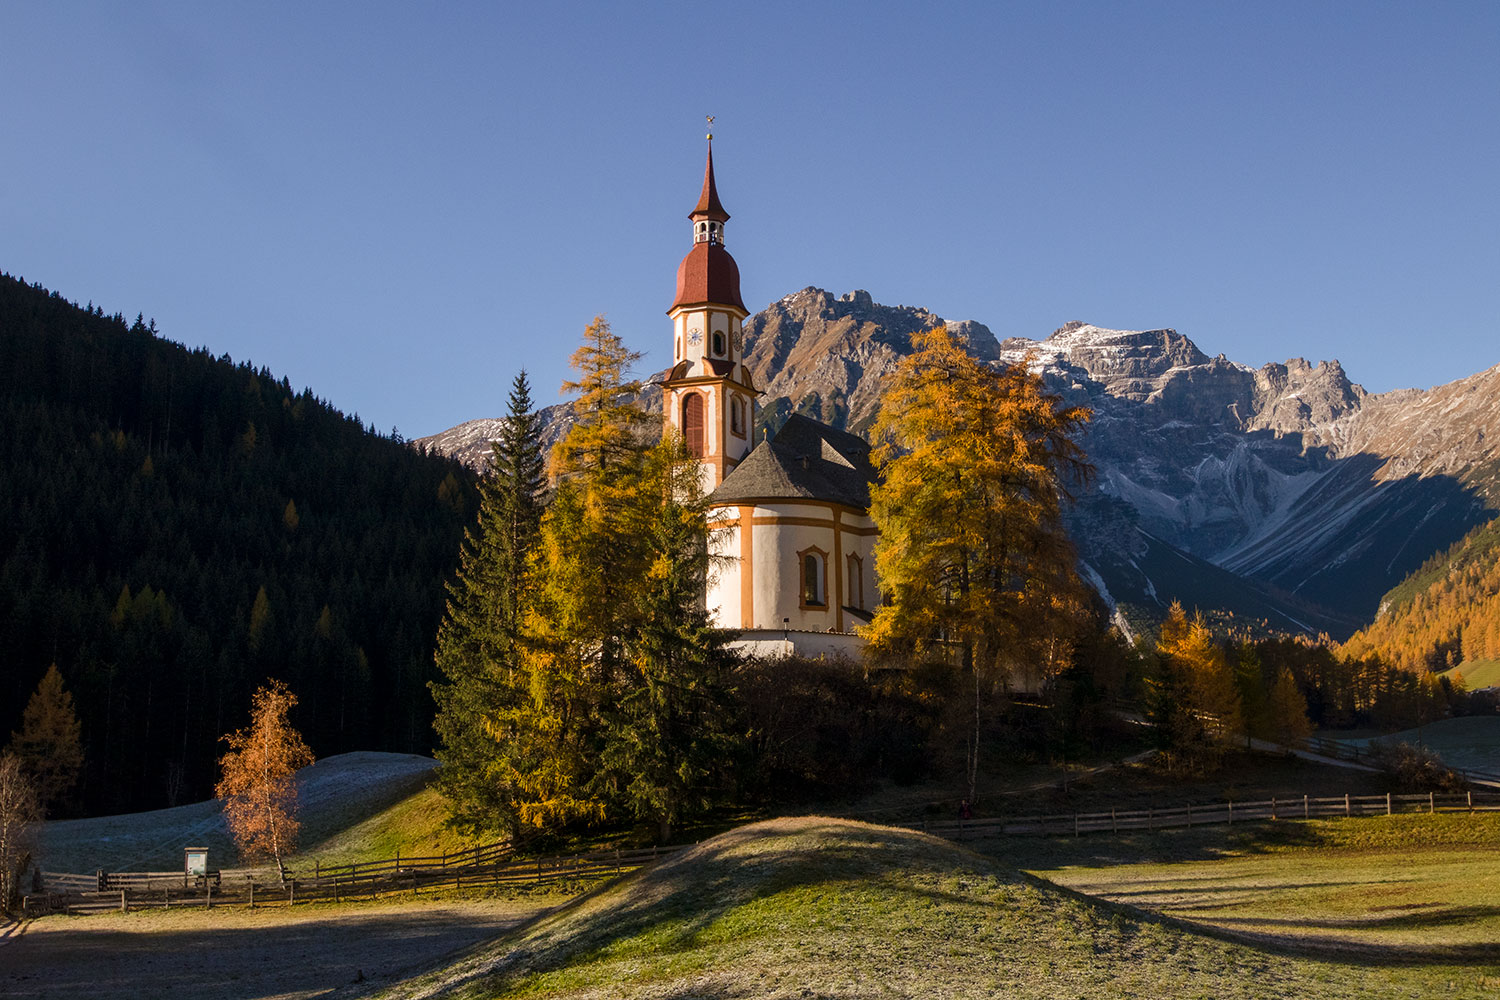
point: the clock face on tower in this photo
(695, 336)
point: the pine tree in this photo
(1254, 705)
(476, 644)
(49, 743)
(258, 778)
(972, 552)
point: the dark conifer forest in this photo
(176, 527)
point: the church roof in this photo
(708, 275)
(806, 460)
(708, 206)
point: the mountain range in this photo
(1285, 495)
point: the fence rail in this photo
(1346, 750)
(489, 865)
(1217, 813)
(495, 865)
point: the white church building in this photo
(792, 532)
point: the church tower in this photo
(707, 395)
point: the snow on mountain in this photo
(1288, 491)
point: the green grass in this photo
(414, 825)
(831, 908)
(1407, 891)
(1477, 674)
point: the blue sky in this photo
(403, 204)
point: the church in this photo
(794, 566)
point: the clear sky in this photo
(401, 205)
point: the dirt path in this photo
(239, 954)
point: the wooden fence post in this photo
(1114, 826)
(1431, 804)
(1347, 813)
(1273, 807)
(1471, 801)
(122, 900)
(1304, 806)
(1387, 803)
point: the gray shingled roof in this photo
(805, 459)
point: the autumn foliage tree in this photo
(1196, 698)
(258, 778)
(49, 743)
(975, 463)
(613, 699)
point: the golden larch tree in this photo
(975, 463)
(258, 785)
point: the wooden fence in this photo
(490, 865)
(495, 865)
(1218, 813)
(1345, 750)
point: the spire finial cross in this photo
(710, 125)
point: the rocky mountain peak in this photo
(829, 356)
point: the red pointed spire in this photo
(708, 206)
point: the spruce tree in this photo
(476, 643)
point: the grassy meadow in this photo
(833, 908)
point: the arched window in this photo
(718, 344)
(812, 569)
(856, 581)
(737, 416)
(692, 423)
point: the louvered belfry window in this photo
(692, 423)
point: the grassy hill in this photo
(1477, 674)
(832, 908)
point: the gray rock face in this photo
(1289, 479)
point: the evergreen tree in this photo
(49, 743)
(476, 643)
(670, 735)
(1250, 680)
(972, 552)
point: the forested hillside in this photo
(175, 528)
(1444, 615)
